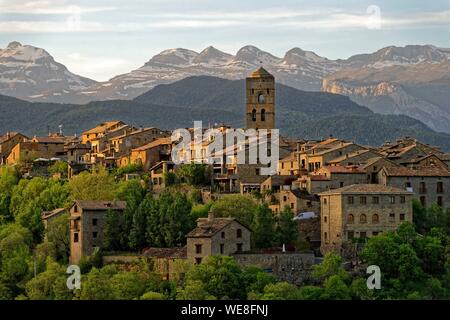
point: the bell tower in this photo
(260, 100)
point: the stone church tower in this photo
(260, 104)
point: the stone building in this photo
(260, 102)
(429, 184)
(361, 211)
(87, 223)
(38, 147)
(49, 216)
(341, 176)
(100, 130)
(217, 236)
(150, 154)
(7, 142)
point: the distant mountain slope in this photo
(299, 114)
(421, 91)
(31, 73)
(215, 93)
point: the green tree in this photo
(220, 276)
(330, 266)
(335, 289)
(263, 227)
(195, 174)
(256, 279)
(287, 229)
(194, 290)
(241, 207)
(96, 185)
(97, 284)
(58, 233)
(281, 291)
(59, 167)
(115, 237)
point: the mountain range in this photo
(412, 80)
(311, 115)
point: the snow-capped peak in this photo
(213, 56)
(20, 52)
(178, 56)
(255, 56)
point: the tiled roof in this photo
(172, 253)
(101, 205)
(290, 157)
(6, 137)
(261, 72)
(366, 188)
(344, 169)
(157, 142)
(444, 157)
(49, 214)
(101, 127)
(209, 227)
(56, 140)
(420, 172)
(279, 180)
(318, 177)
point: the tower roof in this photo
(261, 72)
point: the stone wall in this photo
(292, 267)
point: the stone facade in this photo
(217, 236)
(292, 267)
(7, 142)
(430, 185)
(260, 105)
(87, 224)
(361, 211)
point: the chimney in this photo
(8, 135)
(210, 215)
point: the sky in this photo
(100, 39)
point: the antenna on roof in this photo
(60, 129)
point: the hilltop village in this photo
(337, 194)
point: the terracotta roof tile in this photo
(366, 188)
(419, 172)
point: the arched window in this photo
(362, 218)
(261, 98)
(263, 115)
(254, 115)
(375, 218)
(350, 218)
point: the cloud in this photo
(96, 67)
(51, 7)
(276, 18)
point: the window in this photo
(362, 200)
(392, 217)
(268, 91)
(402, 199)
(239, 247)
(375, 218)
(350, 219)
(325, 219)
(292, 205)
(198, 248)
(439, 201)
(423, 201)
(392, 199)
(263, 115)
(350, 235)
(284, 198)
(325, 235)
(261, 98)
(362, 218)
(362, 235)
(375, 200)
(254, 115)
(198, 260)
(440, 187)
(402, 217)
(75, 237)
(222, 248)
(341, 184)
(94, 222)
(375, 233)
(94, 235)
(222, 235)
(239, 233)
(75, 209)
(422, 187)
(350, 200)
(407, 184)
